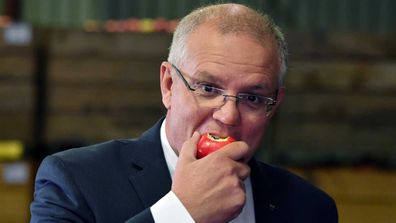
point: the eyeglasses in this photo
(210, 96)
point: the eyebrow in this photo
(207, 76)
(260, 89)
(262, 86)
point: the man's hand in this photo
(211, 188)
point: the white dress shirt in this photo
(170, 209)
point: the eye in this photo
(253, 99)
(208, 90)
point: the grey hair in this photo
(229, 18)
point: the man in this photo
(224, 75)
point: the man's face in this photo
(233, 62)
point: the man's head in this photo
(229, 19)
(228, 47)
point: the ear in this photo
(279, 100)
(166, 84)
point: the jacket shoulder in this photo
(297, 195)
(96, 150)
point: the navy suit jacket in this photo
(118, 181)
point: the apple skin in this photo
(209, 143)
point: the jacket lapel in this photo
(149, 173)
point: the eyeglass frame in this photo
(238, 97)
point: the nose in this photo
(228, 113)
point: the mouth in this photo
(218, 133)
(216, 137)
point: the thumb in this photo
(189, 148)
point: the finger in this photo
(236, 151)
(243, 170)
(189, 148)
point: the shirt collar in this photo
(170, 155)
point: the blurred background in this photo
(78, 72)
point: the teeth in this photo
(216, 137)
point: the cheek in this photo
(182, 106)
(184, 117)
(185, 107)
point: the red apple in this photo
(209, 143)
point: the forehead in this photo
(233, 56)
